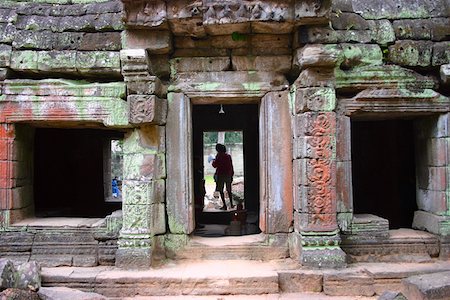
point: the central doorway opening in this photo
(236, 127)
(384, 170)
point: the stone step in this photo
(187, 278)
(240, 277)
(250, 247)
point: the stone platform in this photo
(240, 277)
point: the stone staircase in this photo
(240, 277)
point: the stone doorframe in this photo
(270, 90)
(432, 136)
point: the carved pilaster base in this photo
(135, 251)
(133, 258)
(321, 250)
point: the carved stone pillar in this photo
(144, 163)
(316, 236)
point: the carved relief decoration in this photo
(141, 110)
(320, 171)
(145, 13)
(222, 12)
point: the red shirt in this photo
(223, 164)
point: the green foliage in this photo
(231, 137)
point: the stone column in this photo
(144, 163)
(7, 135)
(316, 234)
(276, 166)
(180, 195)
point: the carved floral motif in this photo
(320, 170)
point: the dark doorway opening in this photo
(383, 170)
(242, 119)
(69, 172)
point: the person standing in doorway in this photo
(224, 173)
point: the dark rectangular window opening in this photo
(383, 170)
(73, 170)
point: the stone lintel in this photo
(395, 100)
(381, 77)
(239, 84)
(111, 112)
(63, 87)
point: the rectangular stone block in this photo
(136, 217)
(147, 109)
(38, 40)
(411, 53)
(400, 9)
(314, 99)
(343, 138)
(348, 284)
(315, 124)
(137, 192)
(144, 166)
(7, 33)
(99, 41)
(441, 54)
(98, 62)
(158, 220)
(344, 186)
(437, 154)
(428, 286)
(432, 201)
(322, 147)
(155, 42)
(57, 61)
(311, 10)
(432, 178)
(300, 281)
(7, 15)
(314, 222)
(316, 56)
(280, 64)
(200, 64)
(5, 55)
(5, 198)
(199, 52)
(24, 60)
(315, 77)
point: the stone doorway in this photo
(383, 169)
(236, 117)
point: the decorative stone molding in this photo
(147, 109)
(400, 100)
(264, 16)
(241, 85)
(145, 13)
(63, 100)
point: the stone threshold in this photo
(239, 277)
(60, 222)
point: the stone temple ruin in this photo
(343, 105)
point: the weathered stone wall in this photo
(339, 59)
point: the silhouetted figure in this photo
(224, 173)
(199, 189)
